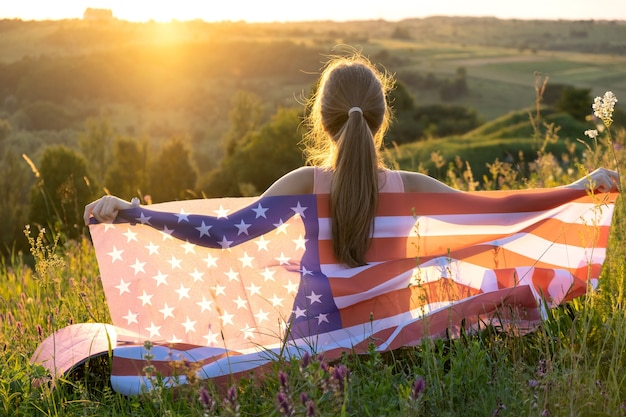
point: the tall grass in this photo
(572, 365)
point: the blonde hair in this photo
(352, 151)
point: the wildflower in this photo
(603, 107)
(592, 133)
(338, 378)
(207, 401)
(305, 361)
(284, 406)
(419, 385)
(310, 408)
(533, 383)
(282, 378)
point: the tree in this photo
(172, 175)
(95, 144)
(14, 202)
(403, 129)
(245, 116)
(63, 188)
(575, 101)
(268, 153)
(126, 174)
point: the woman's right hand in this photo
(105, 209)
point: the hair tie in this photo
(353, 109)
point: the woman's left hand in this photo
(602, 180)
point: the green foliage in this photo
(575, 101)
(43, 115)
(95, 143)
(61, 192)
(244, 117)
(126, 175)
(266, 155)
(13, 182)
(172, 177)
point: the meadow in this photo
(572, 365)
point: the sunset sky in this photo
(281, 10)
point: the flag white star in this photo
(268, 275)
(211, 338)
(261, 316)
(145, 298)
(205, 304)
(299, 210)
(322, 318)
(138, 266)
(175, 262)
(218, 289)
(314, 298)
(253, 289)
(305, 271)
(175, 339)
(143, 219)
(241, 303)
(152, 249)
(260, 211)
(154, 330)
(167, 311)
(131, 317)
(281, 227)
(248, 332)
(246, 260)
(189, 325)
(123, 287)
(300, 243)
(299, 312)
(108, 226)
(262, 244)
(291, 287)
(221, 212)
(242, 228)
(225, 243)
(197, 275)
(189, 247)
(183, 292)
(160, 278)
(276, 301)
(116, 254)
(130, 235)
(211, 261)
(166, 233)
(204, 229)
(226, 318)
(232, 275)
(282, 259)
(182, 216)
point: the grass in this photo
(572, 365)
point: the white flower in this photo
(603, 107)
(592, 133)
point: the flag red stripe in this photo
(404, 204)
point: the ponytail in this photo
(350, 109)
(354, 191)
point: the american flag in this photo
(232, 284)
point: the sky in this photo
(299, 10)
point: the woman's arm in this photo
(602, 180)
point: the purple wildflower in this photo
(419, 386)
(284, 406)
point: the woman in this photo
(348, 120)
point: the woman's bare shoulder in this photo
(298, 181)
(420, 183)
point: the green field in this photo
(149, 83)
